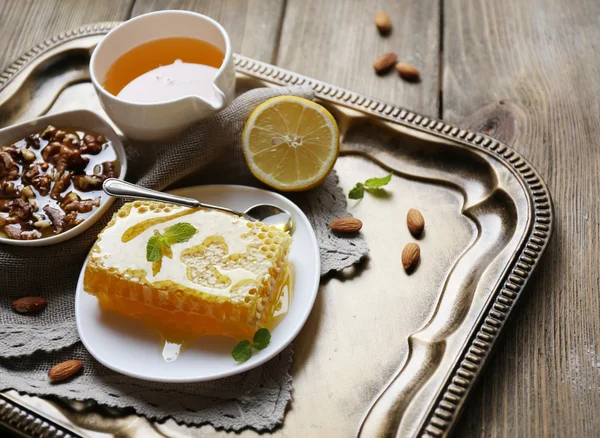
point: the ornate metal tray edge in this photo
(18, 419)
(448, 404)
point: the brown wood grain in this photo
(528, 73)
(25, 23)
(337, 41)
(253, 25)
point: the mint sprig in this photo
(261, 339)
(372, 184)
(357, 192)
(178, 233)
(377, 183)
(153, 249)
(243, 349)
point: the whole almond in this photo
(415, 222)
(346, 225)
(29, 304)
(383, 22)
(385, 62)
(410, 256)
(64, 370)
(408, 71)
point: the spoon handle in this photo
(122, 189)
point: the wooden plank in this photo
(25, 23)
(337, 42)
(542, 60)
(253, 25)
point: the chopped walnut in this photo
(42, 183)
(62, 157)
(27, 192)
(76, 162)
(33, 141)
(59, 135)
(72, 219)
(61, 185)
(72, 202)
(8, 168)
(109, 169)
(51, 150)
(71, 140)
(56, 217)
(16, 207)
(9, 189)
(16, 231)
(5, 205)
(91, 145)
(48, 133)
(27, 154)
(36, 169)
(37, 177)
(87, 183)
(11, 150)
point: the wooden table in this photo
(527, 73)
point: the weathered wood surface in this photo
(524, 72)
(337, 41)
(25, 23)
(253, 25)
(542, 59)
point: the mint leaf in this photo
(164, 240)
(357, 192)
(180, 232)
(375, 183)
(153, 249)
(242, 351)
(261, 339)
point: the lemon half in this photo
(290, 143)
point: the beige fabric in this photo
(211, 151)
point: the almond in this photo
(346, 225)
(29, 304)
(415, 222)
(383, 23)
(410, 256)
(64, 370)
(385, 62)
(408, 71)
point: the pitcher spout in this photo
(219, 100)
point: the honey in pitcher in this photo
(165, 69)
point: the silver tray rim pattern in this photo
(447, 406)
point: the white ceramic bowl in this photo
(79, 119)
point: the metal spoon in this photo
(267, 213)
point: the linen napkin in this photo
(30, 345)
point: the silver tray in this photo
(383, 353)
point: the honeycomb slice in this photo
(226, 280)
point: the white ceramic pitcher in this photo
(157, 121)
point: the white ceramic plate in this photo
(125, 346)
